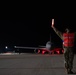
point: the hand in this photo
(52, 23)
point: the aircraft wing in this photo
(42, 46)
(36, 49)
(25, 47)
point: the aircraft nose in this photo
(48, 46)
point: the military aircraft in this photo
(48, 48)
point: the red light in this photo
(38, 51)
(43, 52)
(58, 52)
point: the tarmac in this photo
(33, 64)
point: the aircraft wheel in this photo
(35, 51)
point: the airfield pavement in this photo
(33, 64)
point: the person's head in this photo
(67, 30)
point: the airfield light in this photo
(6, 47)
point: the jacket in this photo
(61, 35)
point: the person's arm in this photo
(56, 30)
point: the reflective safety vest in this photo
(68, 39)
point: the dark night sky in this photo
(33, 27)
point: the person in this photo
(68, 39)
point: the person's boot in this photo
(66, 69)
(69, 71)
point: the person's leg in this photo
(66, 58)
(71, 58)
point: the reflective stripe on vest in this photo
(68, 39)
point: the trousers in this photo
(68, 57)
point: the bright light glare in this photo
(6, 47)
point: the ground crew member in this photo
(68, 39)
